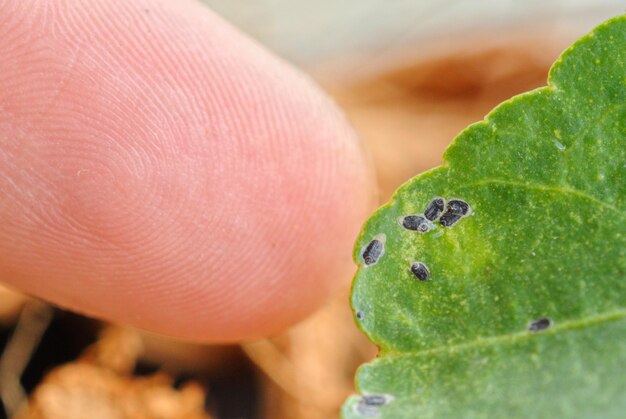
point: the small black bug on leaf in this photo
(369, 404)
(448, 219)
(374, 399)
(539, 324)
(455, 210)
(435, 209)
(416, 223)
(420, 271)
(373, 251)
(456, 206)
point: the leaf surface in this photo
(523, 313)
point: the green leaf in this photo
(545, 240)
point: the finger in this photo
(159, 169)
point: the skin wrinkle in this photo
(195, 186)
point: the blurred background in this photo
(410, 75)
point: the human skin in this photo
(159, 169)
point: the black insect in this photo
(369, 404)
(374, 400)
(455, 210)
(457, 206)
(420, 271)
(435, 209)
(539, 324)
(359, 315)
(449, 219)
(416, 223)
(373, 251)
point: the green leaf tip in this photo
(511, 299)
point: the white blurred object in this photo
(374, 33)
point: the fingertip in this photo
(175, 177)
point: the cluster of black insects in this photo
(447, 214)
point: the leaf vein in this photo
(515, 337)
(552, 189)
